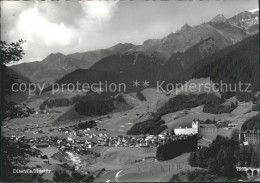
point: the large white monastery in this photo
(197, 128)
(187, 131)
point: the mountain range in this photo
(238, 62)
(161, 59)
(55, 66)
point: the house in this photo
(250, 136)
(205, 129)
(72, 136)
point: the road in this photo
(116, 176)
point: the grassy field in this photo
(121, 166)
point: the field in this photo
(137, 164)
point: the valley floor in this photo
(123, 164)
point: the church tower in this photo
(195, 126)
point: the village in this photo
(86, 135)
(80, 140)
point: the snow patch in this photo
(254, 10)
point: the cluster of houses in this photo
(82, 140)
(102, 139)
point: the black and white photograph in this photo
(130, 91)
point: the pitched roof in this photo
(251, 131)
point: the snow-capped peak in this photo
(254, 10)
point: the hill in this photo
(55, 66)
(239, 63)
(117, 69)
(10, 77)
(181, 61)
(235, 63)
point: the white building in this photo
(188, 131)
(72, 136)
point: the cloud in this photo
(99, 11)
(49, 27)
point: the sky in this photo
(78, 26)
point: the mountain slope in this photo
(117, 69)
(55, 66)
(91, 57)
(218, 28)
(48, 70)
(181, 61)
(249, 21)
(11, 77)
(240, 63)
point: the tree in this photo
(172, 132)
(255, 159)
(212, 165)
(235, 135)
(9, 53)
(42, 107)
(61, 176)
(77, 176)
(15, 155)
(192, 159)
(167, 133)
(202, 157)
(220, 157)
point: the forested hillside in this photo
(239, 64)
